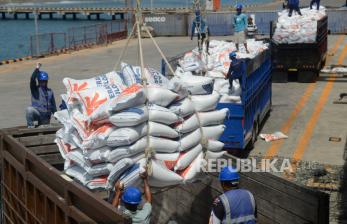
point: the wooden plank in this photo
(53, 159)
(44, 149)
(37, 140)
(282, 200)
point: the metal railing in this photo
(77, 38)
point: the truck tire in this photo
(279, 76)
(307, 76)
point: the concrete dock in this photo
(305, 112)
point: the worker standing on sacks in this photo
(236, 69)
(293, 5)
(235, 205)
(240, 25)
(200, 28)
(42, 99)
(131, 199)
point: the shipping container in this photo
(35, 190)
(167, 24)
(220, 24)
(337, 23)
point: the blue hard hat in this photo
(239, 6)
(132, 195)
(197, 12)
(228, 173)
(232, 54)
(43, 76)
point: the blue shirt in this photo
(200, 25)
(293, 2)
(240, 22)
(236, 70)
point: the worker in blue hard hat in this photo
(42, 99)
(200, 28)
(240, 25)
(293, 5)
(131, 199)
(235, 205)
(237, 69)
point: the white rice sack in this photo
(125, 151)
(215, 74)
(130, 117)
(78, 174)
(190, 140)
(183, 108)
(163, 145)
(204, 103)
(187, 157)
(230, 99)
(78, 158)
(126, 136)
(99, 169)
(163, 177)
(74, 86)
(193, 170)
(213, 117)
(214, 146)
(63, 117)
(213, 132)
(215, 155)
(167, 156)
(131, 177)
(97, 183)
(161, 130)
(96, 156)
(197, 85)
(236, 89)
(162, 115)
(117, 170)
(153, 76)
(64, 148)
(130, 97)
(129, 76)
(180, 72)
(188, 125)
(97, 138)
(221, 86)
(160, 96)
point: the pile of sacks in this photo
(113, 124)
(216, 65)
(298, 29)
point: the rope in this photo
(125, 48)
(148, 151)
(204, 140)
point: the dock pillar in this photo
(64, 16)
(74, 16)
(122, 16)
(89, 17)
(50, 15)
(27, 15)
(98, 16)
(3, 15)
(114, 17)
(15, 16)
(39, 16)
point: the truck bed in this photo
(35, 191)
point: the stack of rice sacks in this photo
(216, 65)
(112, 119)
(298, 29)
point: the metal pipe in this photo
(37, 35)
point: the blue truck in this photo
(244, 120)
